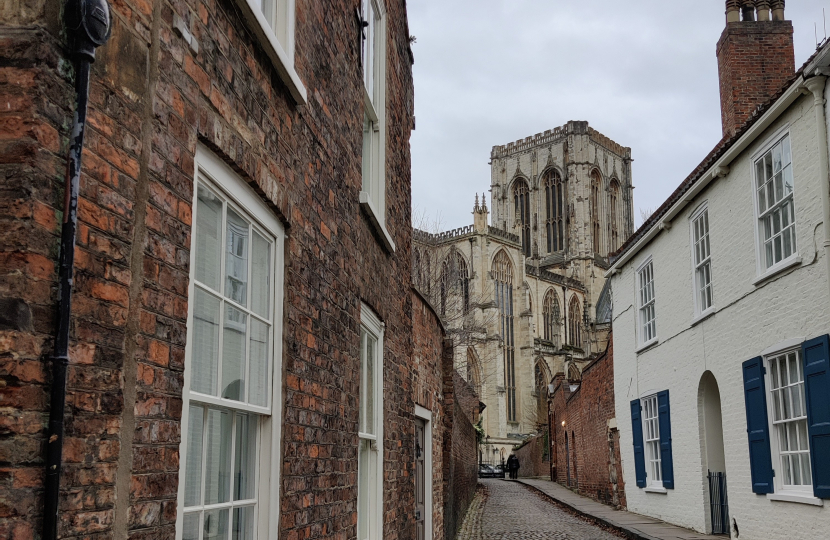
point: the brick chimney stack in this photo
(755, 58)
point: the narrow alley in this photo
(505, 510)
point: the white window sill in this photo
(647, 345)
(801, 498)
(274, 50)
(777, 269)
(703, 316)
(656, 489)
(366, 204)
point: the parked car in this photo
(490, 471)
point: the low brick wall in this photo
(460, 449)
(586, 446)
(534, 460)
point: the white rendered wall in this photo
(748, 319)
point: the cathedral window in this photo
(541, 379)
(417, 268)
(521, 198)
(503, 284)
(454, 284)
(550, 317)
(614, 198)
(554, 210)
(445, 286)
(596, 182)
(575, 323)
(463, 280)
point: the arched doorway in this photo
(713, 460)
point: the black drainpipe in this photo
(88, 24)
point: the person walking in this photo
(513, 466)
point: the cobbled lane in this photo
(512, 511)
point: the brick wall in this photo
(590, 461)
(152, 99)
(755, 58)
(460, 447)
(533, 459)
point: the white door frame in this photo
(426, 416)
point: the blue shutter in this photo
(664, 418)
(639, 449)
(757, 426)
(816, 354)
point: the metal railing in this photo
(719, 505)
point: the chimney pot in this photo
(733, 13)
(777, 10)
(763, 10)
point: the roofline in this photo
(718, 169)
(751, 130)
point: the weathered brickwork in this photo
(590, 461)
(152, 101)
(755, 58)
(534, 457)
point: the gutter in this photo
(816, 85)
(719, 169)
(88, 24)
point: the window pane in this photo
(371, 344)
(258, 377)
(759, 173)
(261, 276)
(193, 470)
(205, 360)
(779, 186)
(788, 179)
(245, 457)
(768, 167)
(216, 524)
(776, 158)
(208, 237)
(236, 263)
(233, 354)
(218, 458)
(243, 523)
(190, 529)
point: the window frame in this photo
(640, 327)
(652, 465)
(372, 325)
(373, 164)
(760, 256)
(701, 312)
(278, 43)
(211, 171)
(802, 491)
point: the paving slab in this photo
(631, 524)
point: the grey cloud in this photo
(644, 73)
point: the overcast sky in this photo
(644, 73)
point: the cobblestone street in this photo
(505, 510)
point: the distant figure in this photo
(513, 466)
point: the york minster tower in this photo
(522, 291)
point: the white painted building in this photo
(721, 316)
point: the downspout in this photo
(88, 24)
(816, 86)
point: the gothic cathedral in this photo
(522, 292)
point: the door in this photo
(420, 480)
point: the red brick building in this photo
(241, 336)
(585, 439)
